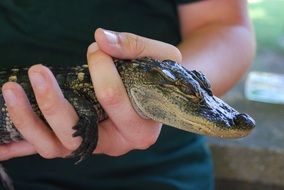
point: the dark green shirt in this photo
(59, 32)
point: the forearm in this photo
(221, 52)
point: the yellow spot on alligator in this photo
(13, 78)
(81, 76)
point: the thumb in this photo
(130, 46)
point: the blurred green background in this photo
(268, 21)
(256, 161)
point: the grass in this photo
(268, 21)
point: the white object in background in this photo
(265, 87)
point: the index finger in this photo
(124, 45)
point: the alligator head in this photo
(167, 92)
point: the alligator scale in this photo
(160, 90)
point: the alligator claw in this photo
(86, 129)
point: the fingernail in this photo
(111, 36)
(10, 97)
(38, 81)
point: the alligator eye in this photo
(168, 75)
(155, 77)
(184, 88)
(160, 75)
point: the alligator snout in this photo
(244, 121)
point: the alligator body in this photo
(160, 90)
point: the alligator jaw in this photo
(216, 118)
(213, 118)
(211, 129)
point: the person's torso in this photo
(58, 32)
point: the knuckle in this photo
(134, 44)
(144, 143)
(53, 151)
(110, 96)
(19, 124)
(94, 55)
(146, 140)
(117, 153)
(19, 120)
(122, 147)
(71, 145)
(48, 154)
(49, 107)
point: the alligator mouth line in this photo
(211, 129)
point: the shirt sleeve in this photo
(186, 1)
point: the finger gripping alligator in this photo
(160, 90)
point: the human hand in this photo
(125, 130)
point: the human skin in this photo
(219, 43)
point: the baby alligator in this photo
(160, 90)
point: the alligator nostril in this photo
(244, 121)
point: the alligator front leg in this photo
(86, 127)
